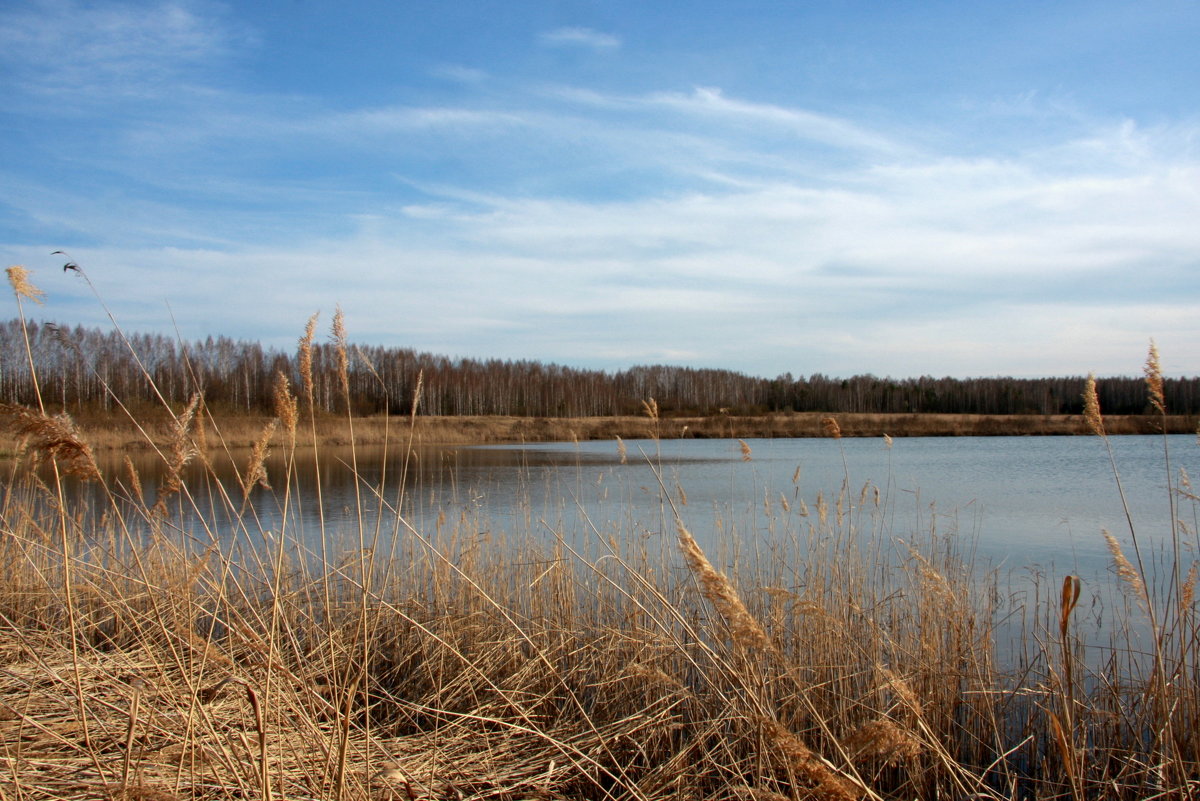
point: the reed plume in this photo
(720, 592)
(832, 429)
(286, 404)
(1125, 569)
(181, 448)
(52, 437)
(305, 358)
(1091, 407)
(18, 277)
(340, 350)
(745, 450)
(256, 468)
(1154, 380)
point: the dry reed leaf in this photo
(18, 277)
(1091, 407)
(1154, 379)
(54, 438)
(743, 628)
(832, 429)
(1070, 598)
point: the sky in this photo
(839, 187)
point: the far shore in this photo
(236, 431)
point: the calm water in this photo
(1021, 502)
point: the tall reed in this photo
(833, 654)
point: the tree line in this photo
(84, 369)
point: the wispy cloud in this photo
(712, 102)
(477, 213)
(73, 50)
(580, 37)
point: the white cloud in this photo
(712, 102)
(605, 228)
(580, 37)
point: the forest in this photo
(81, 370)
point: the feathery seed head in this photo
(18, 277)
(1125, 569)
(339, 347)
(305, 357)
(1154, 380)
(832, 429)
(1091, 407)
(285, 403)
(743, 628)
(54, 438)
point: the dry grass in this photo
(237, 431)
(837, 662)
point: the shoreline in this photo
(239, 431)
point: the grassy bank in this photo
(117, 431)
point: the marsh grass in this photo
(837, 659)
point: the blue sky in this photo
(946, 188)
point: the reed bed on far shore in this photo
(141, 661)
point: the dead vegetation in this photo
(137, 662)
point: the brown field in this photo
(239, 431)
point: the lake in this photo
(1019, 502)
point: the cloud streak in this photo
(580, 37)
